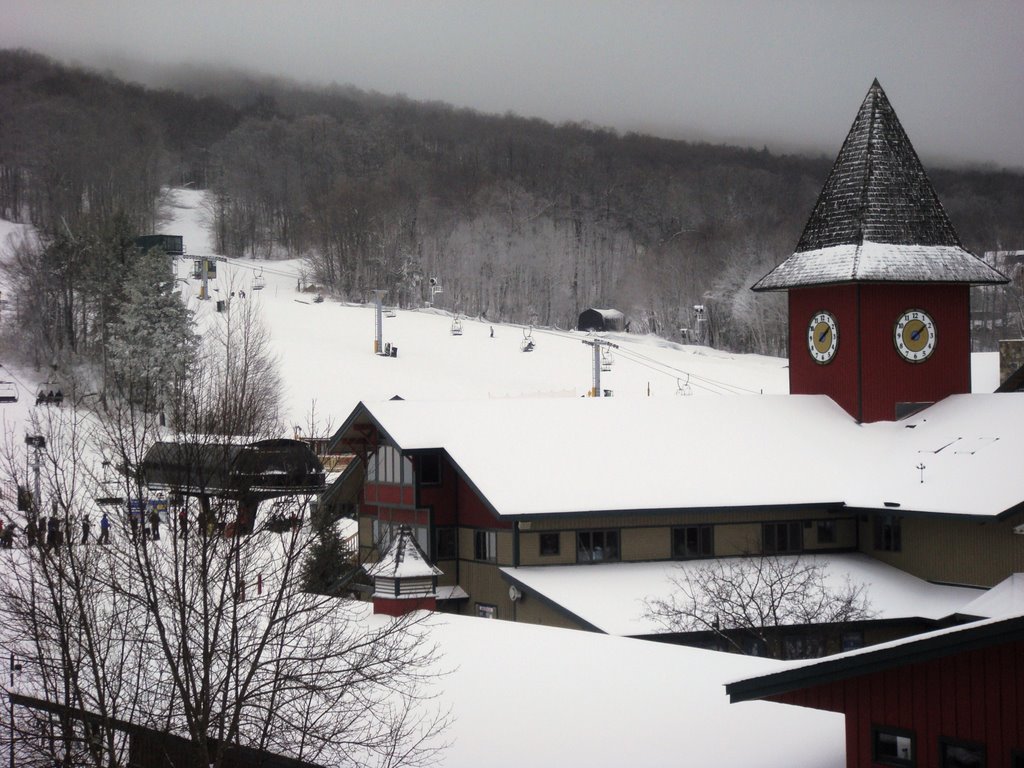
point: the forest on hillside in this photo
(518, 219)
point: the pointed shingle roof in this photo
(878, 218)
(404, 559)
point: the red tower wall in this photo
(867, 376)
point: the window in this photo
(447, 540)
(892, 746)
(887, 533)
(826, 531)
(960, 754)
(388, 465)
(486, 611)
(597, 546)
(693, 541)
(803, 646)
(485, 545)
(852, 640)
(430, 469)
(550, 544)
(778, 538)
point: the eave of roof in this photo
(879, 658)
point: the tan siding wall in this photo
(953, 550)
(484, 584)
(366, 538)
(505, 548)
(737, 539)
(646, 543)
(532, 611)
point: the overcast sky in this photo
(787, 74)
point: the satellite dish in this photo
(514, 594)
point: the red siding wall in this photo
(972, 696)
(441, 498)
(868, 314)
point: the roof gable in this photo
(878, 193)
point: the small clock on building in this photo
(823, 337)
(914, 335)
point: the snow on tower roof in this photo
(404, 559)
(878, 217)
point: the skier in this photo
(154, 524)
(104, 529)
(183, 522)
(85, 529)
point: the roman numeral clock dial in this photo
(823, 337)
(914, 336)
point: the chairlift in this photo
(258, 281)
(606, 360)
(456, 327)
(683, 387)
(389, 312)
(528, 344)
(8, 392)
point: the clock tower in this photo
(879, 284)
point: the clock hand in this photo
(823, 336)
(915, 335)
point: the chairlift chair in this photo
(456, 327)
(606, 360)
(683, 387)
(389, 312)
(528, 344)
(258, 281)
(8, 392)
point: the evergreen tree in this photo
(151, 343)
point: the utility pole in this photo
(595, 390)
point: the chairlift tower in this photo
(378, 341)
(597, 345)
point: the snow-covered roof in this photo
(404, 559)
(610, 596)
(560, 697)
(869, 261)
(878, 217)
(1004, 599)
(684, 453)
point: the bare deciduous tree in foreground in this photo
(203, 632)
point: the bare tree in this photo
(204, 632)
(746, 597)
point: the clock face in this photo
(914, 335)
(823, 337)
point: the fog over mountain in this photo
(782, 74)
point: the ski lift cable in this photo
(710, 385)
(733, 388)
(701, 382)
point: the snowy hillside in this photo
(326, 349)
